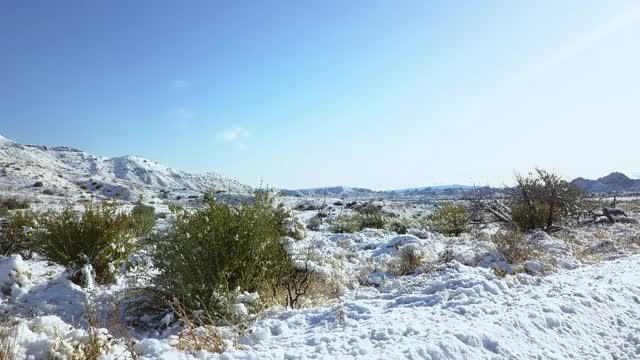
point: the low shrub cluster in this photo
(100, 236)
(18, 235)
(371, 218)
(143, 219)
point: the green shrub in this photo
(449, 219)
(530, 218)
(346, 224)
(100, 235)
(212, 251)
(18, 235)
(372, 221)
(38, 184)
(143, 219)
(355, 222)
(12, 204)
(400, 226)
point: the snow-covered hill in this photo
(64, 171)
(614, 182)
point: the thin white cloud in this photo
(234, 135)
(180, 84)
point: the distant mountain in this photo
(333, 191)
(72, 172)
(351, 192)
(614, 182)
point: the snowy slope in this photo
(67, 171)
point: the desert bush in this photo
(408, 259)
(542, 198)
(347, 224)
(314, 223)
(143, 219)
(48, 192)
(369, 209)
(530, 218)
(212, 251)
(355, 222)
(449, 219)
(18, 236)
(12, 204)
(375, 220)
(100, 236)
(38, 184)
(513, 246)
(400, 226)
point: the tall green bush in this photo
(217, 249)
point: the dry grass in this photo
(192, 338)
(407, 261)
(8, 344)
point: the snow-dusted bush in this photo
(513, 246)
(15, 275)
(347, 224)
(375, 220)
(400, 226)
(143, 219)
(449, 219)
(17, 236)
(290, 224)
(218, 249)
(408, 259)
(355, 222)
(314, 223)
(99, 236)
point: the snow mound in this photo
(15, 276)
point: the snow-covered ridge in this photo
(69, 171)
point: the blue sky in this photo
(379, 94)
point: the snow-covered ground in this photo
(578, 298)
(578, 310)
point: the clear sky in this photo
(379, 94)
